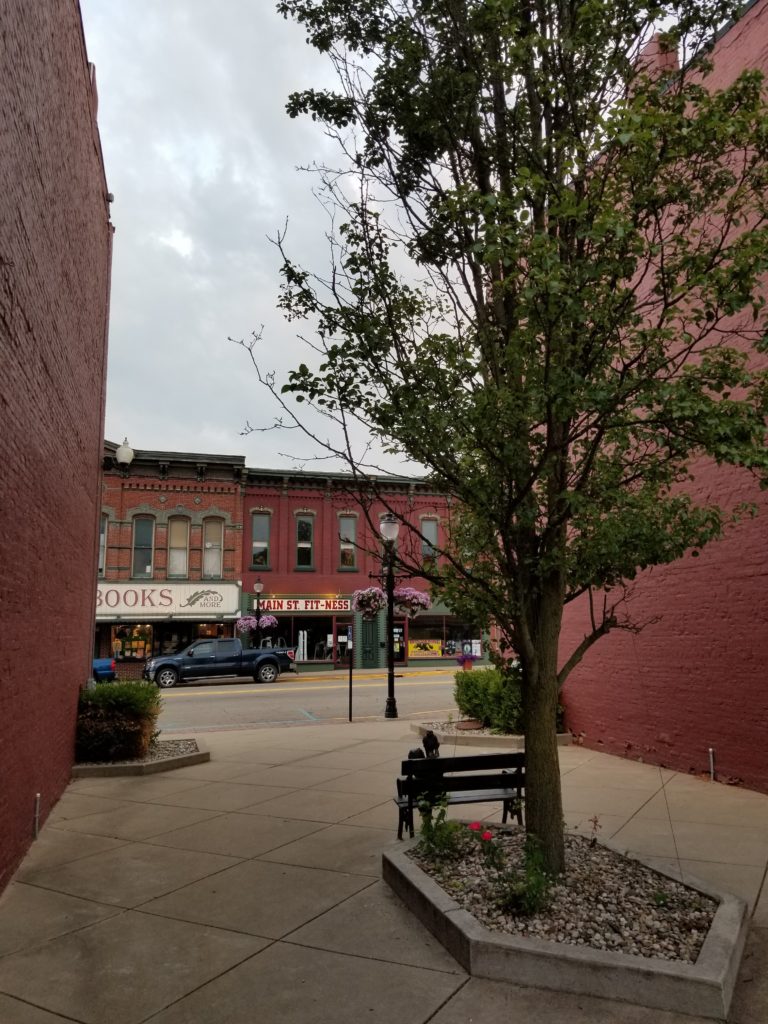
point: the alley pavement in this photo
(247, 890)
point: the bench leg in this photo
(400, 823)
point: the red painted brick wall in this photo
(697, 677)
(283, 504)
(55, 241)
(144, 494)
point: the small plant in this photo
(526, 894)
(493, 854)
(438, 837)
(596, 826)
(661, 899)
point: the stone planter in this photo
(704, 988)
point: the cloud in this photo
(203, 162)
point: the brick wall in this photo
(696, 677)
(55, 241)
(141, 494)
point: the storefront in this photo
(318, 628)
(133, 621)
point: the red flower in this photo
(475, 826)
(487, 836)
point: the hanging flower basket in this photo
(249, 623)
(369, 602)
(411, 601)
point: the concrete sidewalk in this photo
(248, 891)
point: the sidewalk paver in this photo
(248, 889)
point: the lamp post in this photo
(390, 528)
(258, 586)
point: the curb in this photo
(468, 739)
(165, 764)
(704, 988)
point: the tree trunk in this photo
(543, 797)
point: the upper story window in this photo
(213, 544)
(103, 543)
(178, 546)
(305, 530)
(429, 539)
(143, 546)
(260, 527)
(347, 542)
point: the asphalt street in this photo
(301, 699)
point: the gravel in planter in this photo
(158, 751)
(604, 900)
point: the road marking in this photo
(263, 691)
(310, 716)
(231, 727)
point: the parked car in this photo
(104, 670)
(208, 659)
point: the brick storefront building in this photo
(55, 255)
(696, 678)
(184, 538)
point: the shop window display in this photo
(132, 643)
(439, 636)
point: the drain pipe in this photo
(711, 764)
(37, 815)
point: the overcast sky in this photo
(202, 160)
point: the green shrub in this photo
(116, 721)
(494, 697)
(471, 693)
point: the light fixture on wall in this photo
(124, 457)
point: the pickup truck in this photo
(103, 669)
(207, 659)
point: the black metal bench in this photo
(480, 778)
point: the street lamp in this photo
(390, 528)
(258, 586)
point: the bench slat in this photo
(472, 797)
(457, 783)
(471, 763)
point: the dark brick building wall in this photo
(55, 242)
(698, 677)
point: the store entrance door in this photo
(369, 643)
(341, 646)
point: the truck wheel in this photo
(167, 677)
(266, 673)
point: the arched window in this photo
(178, 547)
(347, 541)
(305, 540)
(428, 538)
(213, 545)
(261, 523)
(143, 546)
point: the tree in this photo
(546, 290)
